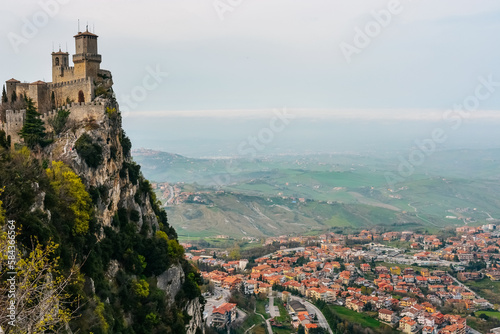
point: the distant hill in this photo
(261, 197)
(239, 215)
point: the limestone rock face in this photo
(113, 268)
(106, 132)
(194, 309)
(115, 185)
(171, 281)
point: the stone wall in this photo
(87, 65)
(83, 111)
(13, 124)
(39, 93)
(63, 74)
(79, 112)
(64, 90)
(21, 89)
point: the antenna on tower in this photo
(87, 27)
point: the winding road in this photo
(313, 309)
(423, 219)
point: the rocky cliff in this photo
(134, 244)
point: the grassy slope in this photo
(251, 320)
(240, 215)
(355, 317)
(487, 289)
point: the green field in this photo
(487, 289)
(283, 319)
(261, 308)
(251, 320)
(403, 266)
(355, 317)
(491, 314)
(484, 325)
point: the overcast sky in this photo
(254, 54)
(353, 59)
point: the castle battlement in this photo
(73, 106)
(15, 116)
(67, 83)
(70, 69)
(79, 112)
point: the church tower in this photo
(86, 59)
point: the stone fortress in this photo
(72, 87)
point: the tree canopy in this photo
(33, 131)
(70, 187)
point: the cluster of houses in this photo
(407, 298)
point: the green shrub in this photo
(101, 90)
(89, 151)
(5, 140)
(134, 216)
(126, 144)
(140, 288)
(112, 113)
(97, 193)
(58, 122)
(134, 172)
(113, 152)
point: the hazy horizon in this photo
(213, 135)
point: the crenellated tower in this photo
(60, 65)
(86, 59)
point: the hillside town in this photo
(419, 286)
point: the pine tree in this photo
(33, 130)
(4, 95)
(4, 142)
(53, 100)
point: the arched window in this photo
(57, 61)
(81, 97)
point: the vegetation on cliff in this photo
(105, 275)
